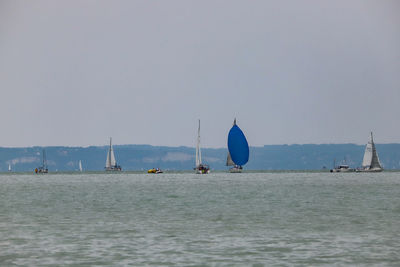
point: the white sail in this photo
(198, 149)
(367, 156)
(371, 159)
(80, 165)
(229, 161)
(9, 167)
(110, 162)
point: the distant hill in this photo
(143, 157)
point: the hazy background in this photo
(76, 72)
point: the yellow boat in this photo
(155, 170)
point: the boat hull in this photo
(369, 170)
(236, 170)
(41, 170)
(155, 171)
(113, 169)
(342, 170)
(202, 171)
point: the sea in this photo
(185, 219)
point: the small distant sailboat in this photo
(9, 167)
(371, 161)
(344, 167)
(238, 149)
(111, 163)
(43, 168)
(80, 166)
(200, 167)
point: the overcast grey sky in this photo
(76, 72)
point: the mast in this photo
(110, 152)
(198, 149)
(112, 158)
(44, 164)
(108, 160)
(229, 161)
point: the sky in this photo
(74, 73)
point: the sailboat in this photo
(344, 167)
(80, 166)
(371, 161)
(9, 167)
(43, 168)
(200, 167)
(111, 163)
(238, 149)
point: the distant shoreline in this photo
(140, 158)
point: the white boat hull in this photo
(369, 170)
(235, 170)
(113, 169)
(343, 170)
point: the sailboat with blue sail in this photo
(238, 149)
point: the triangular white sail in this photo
(110, 162)
(229, 161)
(112, 156)
(80, 165)
(198, 149)
(9, 167)
(371, 159)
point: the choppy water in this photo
(186, 219)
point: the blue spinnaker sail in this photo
(238, 146)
